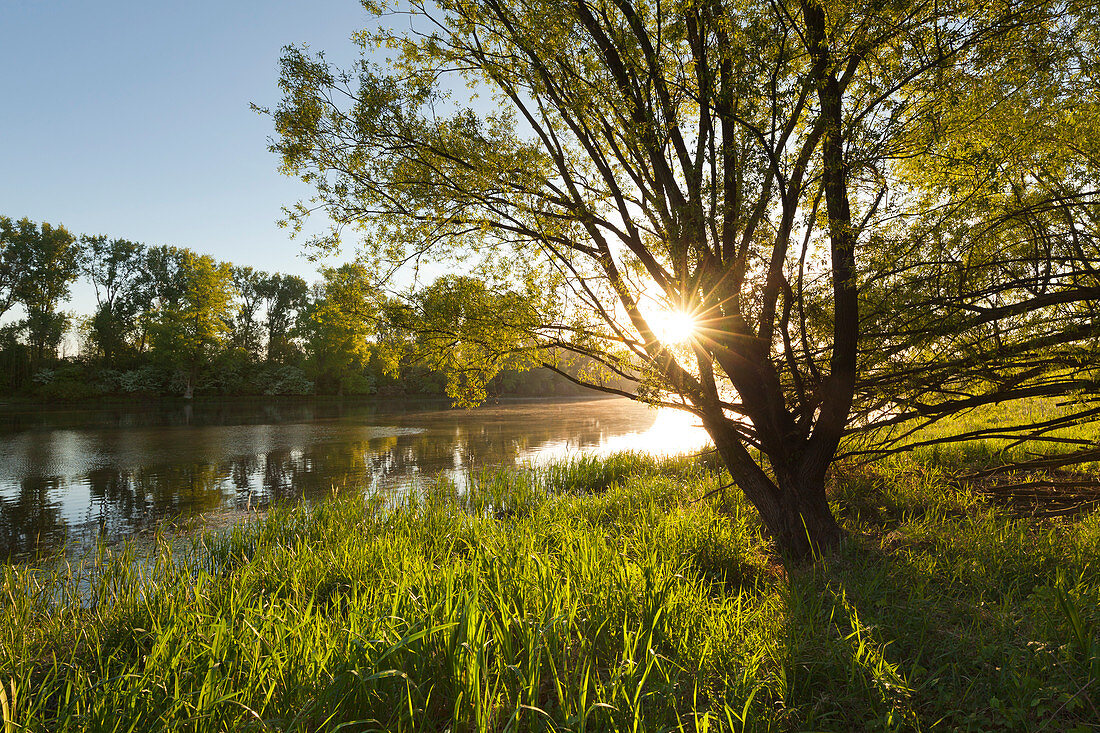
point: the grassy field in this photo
(616, 594)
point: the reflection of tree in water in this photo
(499, 437)
(314, 471)
(242, 470)
(303, 453)
(116, 508)
(277, 474)
(181, 489)
(29, 520)
(113, 493)
(455, 442)
(169, 415)
(387, 462)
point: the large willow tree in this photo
(875, 211)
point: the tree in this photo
(872, 212)
(114, 267)
(159, 288)
(463, 329)
(38, 265)
(245, 329)
(285, 297)
(337, 327)
(16, 245)
(190, 329)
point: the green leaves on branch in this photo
(192, 316)
(37, 267)
(466, 330)
(337, 327)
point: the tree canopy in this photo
(114, 268)
(37, 266)
(872, 211)
(170, 321)
(194, 312)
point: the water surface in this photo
(71, 477)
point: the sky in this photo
(133, 119)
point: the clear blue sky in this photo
(132, 119)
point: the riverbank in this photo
(617, 593)
(23, 402)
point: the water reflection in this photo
(69, 477)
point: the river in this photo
(71, 477)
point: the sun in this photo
(673, 326)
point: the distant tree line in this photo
(169, 321)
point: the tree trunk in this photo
(793, 507)
(189, 387)
(805, 527)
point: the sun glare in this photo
(673, 327)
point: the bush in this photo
(66, 391)
(145, 380)
(281, 379)
(64, 382)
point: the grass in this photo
(602, 594)
(996, 451)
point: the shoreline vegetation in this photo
(73, 382)
(625, 592)
(38, 403)
(170, 322)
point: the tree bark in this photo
(806, 527)
(793, 505)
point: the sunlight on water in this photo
(674, 432)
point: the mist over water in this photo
(69, 478)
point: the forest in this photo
(171, 322)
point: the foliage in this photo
(37, 266)
(285, 296)
(465, 330)
(282, 379)
(191, 323)
(141, 339)
(235, 373)
(61, 385)
(337, 327)
(244, 328)
(16, 243)
(145, 380)
(114, 267)
(45, 328)
(15, 359)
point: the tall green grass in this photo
(615, 594)
(996, 451)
